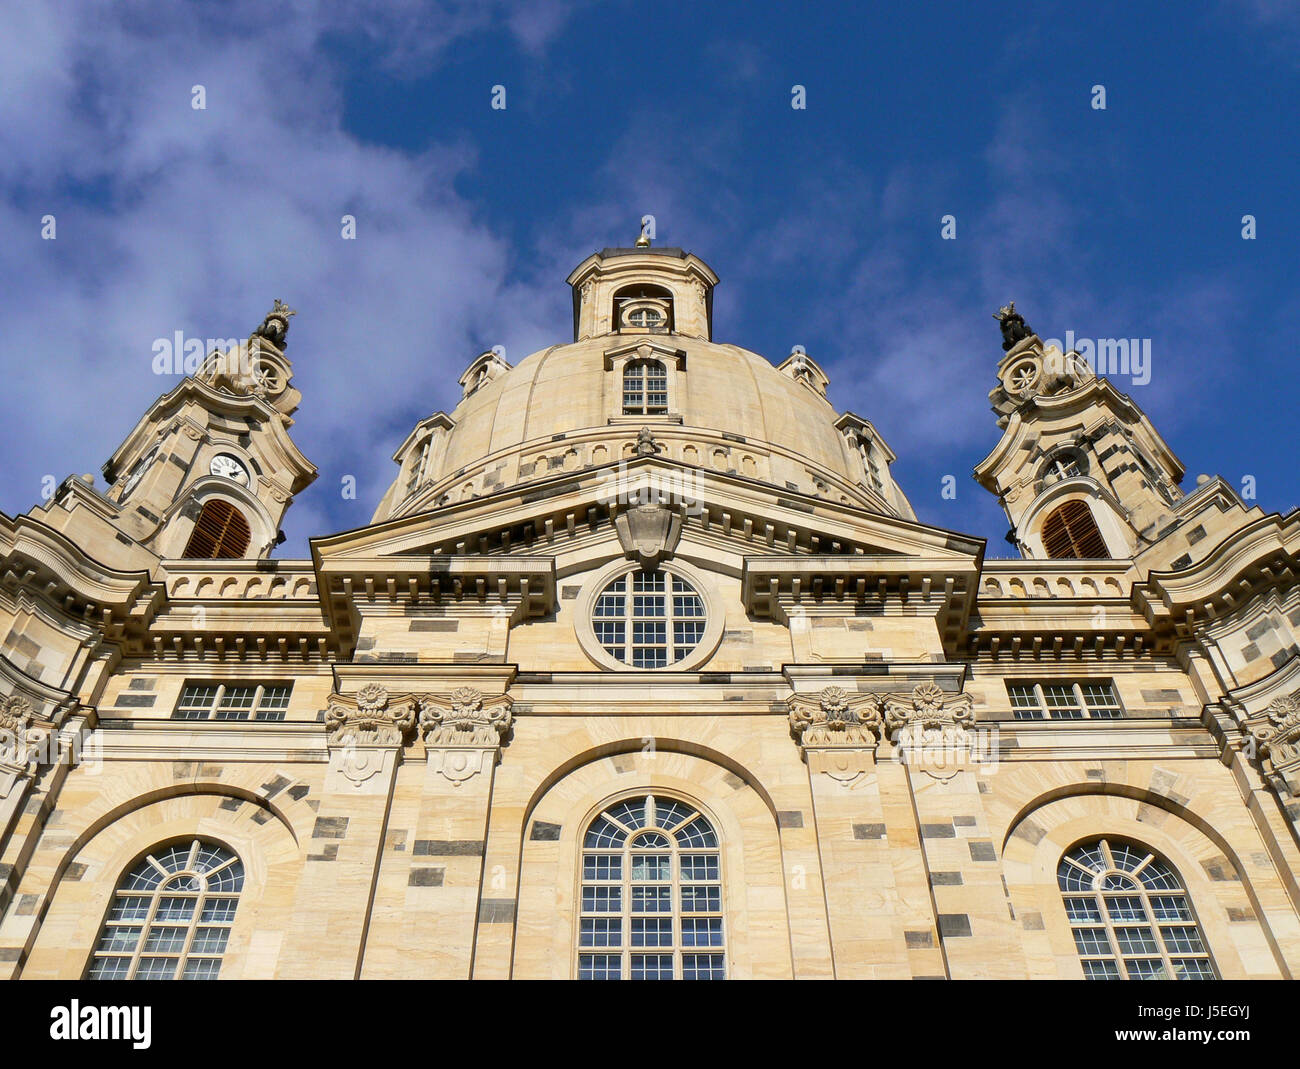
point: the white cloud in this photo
(175, 219)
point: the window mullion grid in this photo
(675, 912)
(1112, 936)
(1156, 934)
(670, 626)
(193, 928)
(150, 913)
(625, 910)
(628, 625)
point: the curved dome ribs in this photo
(643, 358)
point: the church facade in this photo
(645, 668)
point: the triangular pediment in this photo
(534, 518)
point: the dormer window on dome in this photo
(486, 367)
(645, 388)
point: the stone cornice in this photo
(1264, 553)
(219, 402)
(51, 566)
(1097, 392)
(779, 587)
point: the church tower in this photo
(1080, 470)
(210, 469)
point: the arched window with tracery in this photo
(220, 533)
(651, 894)
(645, 388)
(1130, 914)
(1070, 532)
(170, 916)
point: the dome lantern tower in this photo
(642, 290)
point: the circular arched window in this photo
(651, 894)
(631, 618)
(1130, 915)
(649, 619)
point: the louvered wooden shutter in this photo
(220, 533)
(1071, 532)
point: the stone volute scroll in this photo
(931, 728)
(366, 730)
(22, 739)
(837, 731)
(1274, 737)
(463, 731)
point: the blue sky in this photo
(823, 223)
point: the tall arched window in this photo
(171, 915)
(645, 388)
(220, 532)
(1130, 915)
(1070, 532)
(651, 894)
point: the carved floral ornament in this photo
(837, 718)
(21, 741)
(928, 709)
(1275, 734)
(464, 719)
(463, 731)
(369, 717)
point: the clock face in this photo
(229, 467)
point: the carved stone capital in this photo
(930, 728)
(463, 731)
(22, 740)
(835, 719)
(369, 718)
(928, 708)
(1274, 736)
(464, 718)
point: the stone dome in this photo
(582, 405)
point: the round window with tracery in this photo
(649, 619)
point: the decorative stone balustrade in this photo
(1054, 579)
(228, 583)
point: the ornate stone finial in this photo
(646, 446)
(463, 731)
(1014, 327)
(275, 327)
(643, 241)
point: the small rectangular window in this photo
(233, 701)
(1093, 700)
(416, 473)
